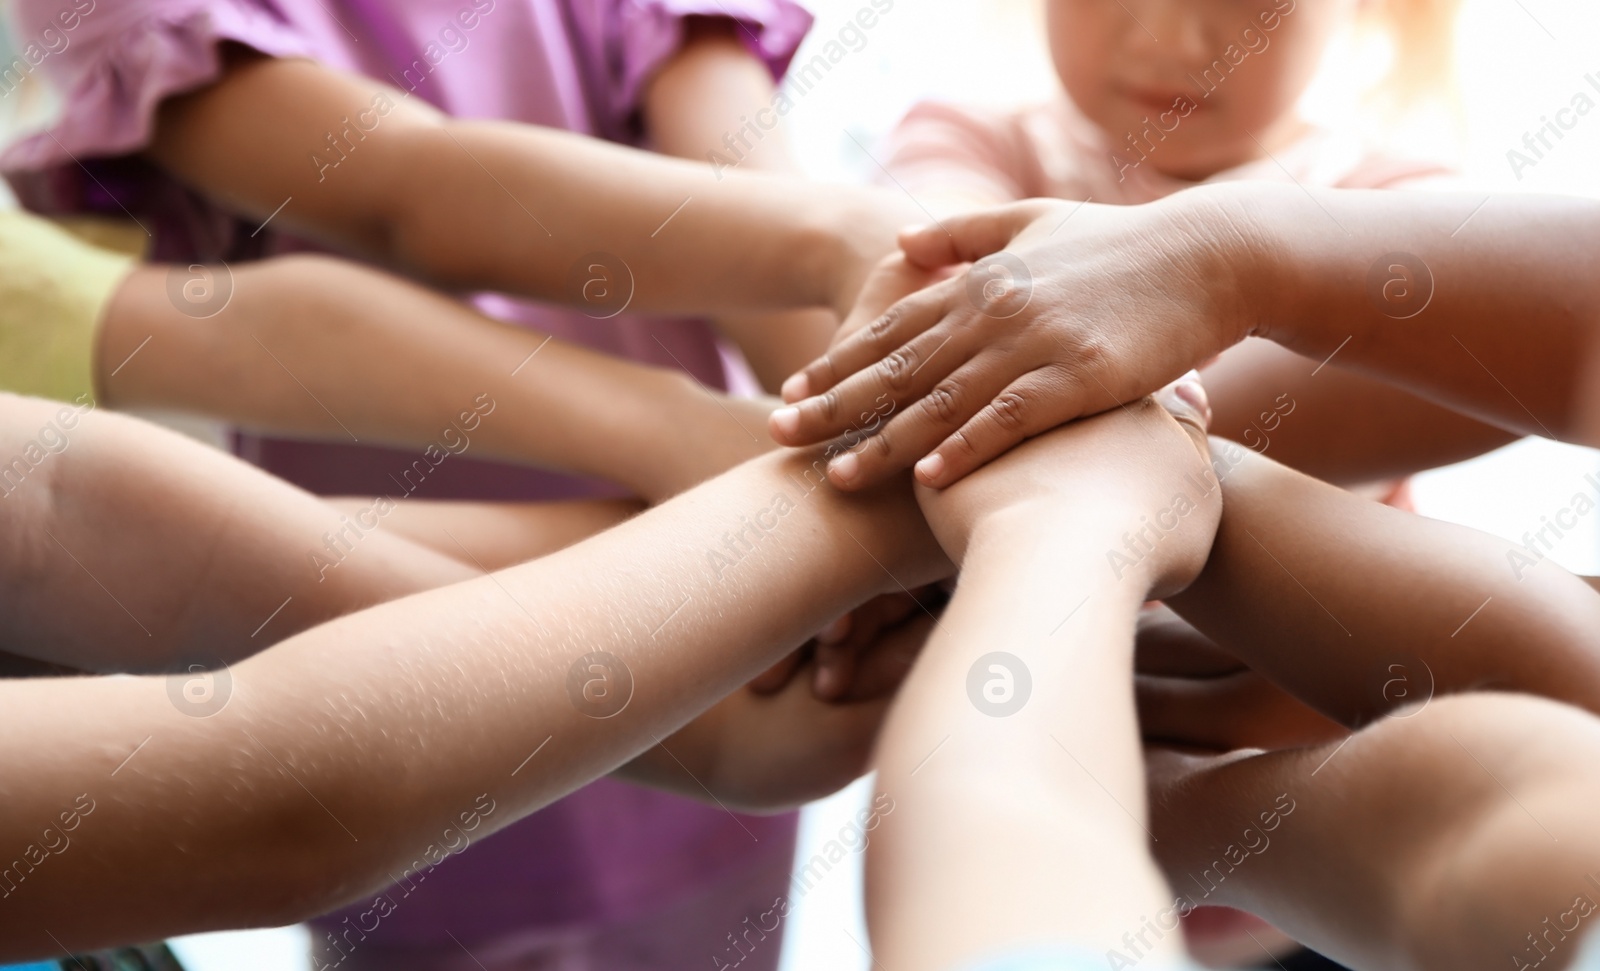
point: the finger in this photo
(947, 406)
(902, 321)
(858, 407)
(773, 679)
(1031, 405)
(967, 237)
(835, 669)
(1186, 398)
(883, 667)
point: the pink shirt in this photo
(953, 158)
(610, 851)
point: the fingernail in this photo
(1193, 393)
(913, 229)
(826, 683)
(845, 468)
(796, 387)
(930, 468)
(835, 632)
(785, 421)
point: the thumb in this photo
(968, 237)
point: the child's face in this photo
(1189, 87)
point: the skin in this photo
(348, 746)
(322, 348)
(427, 195)
(1343, 573)
(713, 87)
(1434, 793)
(1124, 299)
(1213, 71)
(1061, 860)
(1428, 887)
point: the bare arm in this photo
(319, 347)
(1055, 783)
(712, 103)
(1114, 301)
(495, 205)
(347, 751)
(1433, 842)
(1333, 424)
(211, 560)
(1366, 589)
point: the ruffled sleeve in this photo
(107, 75)
(636, 37)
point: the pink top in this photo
(610, 851)
(954, 158)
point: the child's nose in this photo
(1173, 29)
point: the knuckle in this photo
(828, 405)
(884, 324)
(1011, 410)
(897, 368)
(943, 403)
(882, 446)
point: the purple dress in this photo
(613, 877)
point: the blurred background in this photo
(1519, 61)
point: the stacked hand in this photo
(1089, 307)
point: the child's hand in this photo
(892, 279)
(1138, 479)
(1091, 307)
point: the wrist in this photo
(1239, 245)
(863, 227)
(1051, 541)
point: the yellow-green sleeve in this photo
(54, 289)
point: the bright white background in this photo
(1520, 60)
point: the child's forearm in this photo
(1355, 607)
(346, 751)
(312, 346)
(130, 548)
(1055, 788)
(1333, 424)
(712, 103)
(477, 204)
(1417, 289)
(1435, 842)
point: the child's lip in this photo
(1163, 99)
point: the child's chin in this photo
(1225, 937)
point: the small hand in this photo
(845, 659)
(1143, 469)
(1091, 307)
